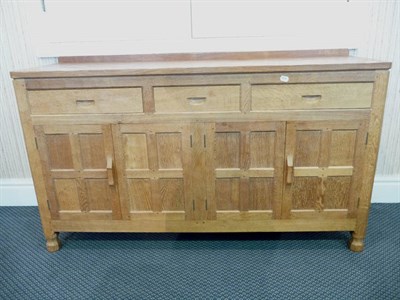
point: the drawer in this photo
(86, 101)
(197, 98)
(311, 96)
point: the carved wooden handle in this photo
(84, 102)
(289, 172)
(110, 172)
(311, 97)
(196, 100)
(320, 202)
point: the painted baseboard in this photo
(17, 192)
(386, 189)
(20, 192)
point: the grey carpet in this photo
(198, 266)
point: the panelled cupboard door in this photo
(152, 165)
(78, 167)
(323, 168)
(248, 168)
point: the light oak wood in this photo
(371, 153)
(248, 166)
(79, 173)
(220, 66)
(86, 101)
(325, 156)
(148, 81)
(266, 225)
(204, 56)
(176, 143)
(153, 167)
(197, 99)
(311, 96)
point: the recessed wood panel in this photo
(98, 194)
(86, 101)
(135, 151)
(169, 148)
(311, 96)
(307, 148)
(171, 194)
(152, 168)
(327, 167)
(92, 151)
(67, 194)
(59, 150)
(227, 191)
(74, 161)
(342, 147)
(139, 191)
(227, 149)
(262, 149)
(337, 192)
(197, 98)
(305, 191)
(261, 193)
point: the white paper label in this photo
(284, 78)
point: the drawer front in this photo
(86, 101)
(197, 98)
(311, 96)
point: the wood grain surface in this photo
(129, 150)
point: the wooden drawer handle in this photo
(311, 97)
(289, 170)
(110, 173)
(196, 100)
(84, 102)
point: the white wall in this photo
(165, 26)
(383, 43)
(16, 52)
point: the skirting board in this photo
(20, 192)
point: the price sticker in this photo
(284, 78)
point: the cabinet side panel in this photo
(33, 155)
(372, 147)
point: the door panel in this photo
(151, 159)
(74, 160)
(326, 174)
(248, 169)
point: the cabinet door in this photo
(324, 161)
(248, 168)
(151, 160)
(78, 166)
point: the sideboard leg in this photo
(356, 243)
(53, 243)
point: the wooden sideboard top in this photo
(204, 63)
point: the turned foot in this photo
(53, 244)
(356, 244)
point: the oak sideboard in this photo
(206, 142)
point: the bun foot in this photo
(356, 244)
(53, 244)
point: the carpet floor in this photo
(198, 266)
